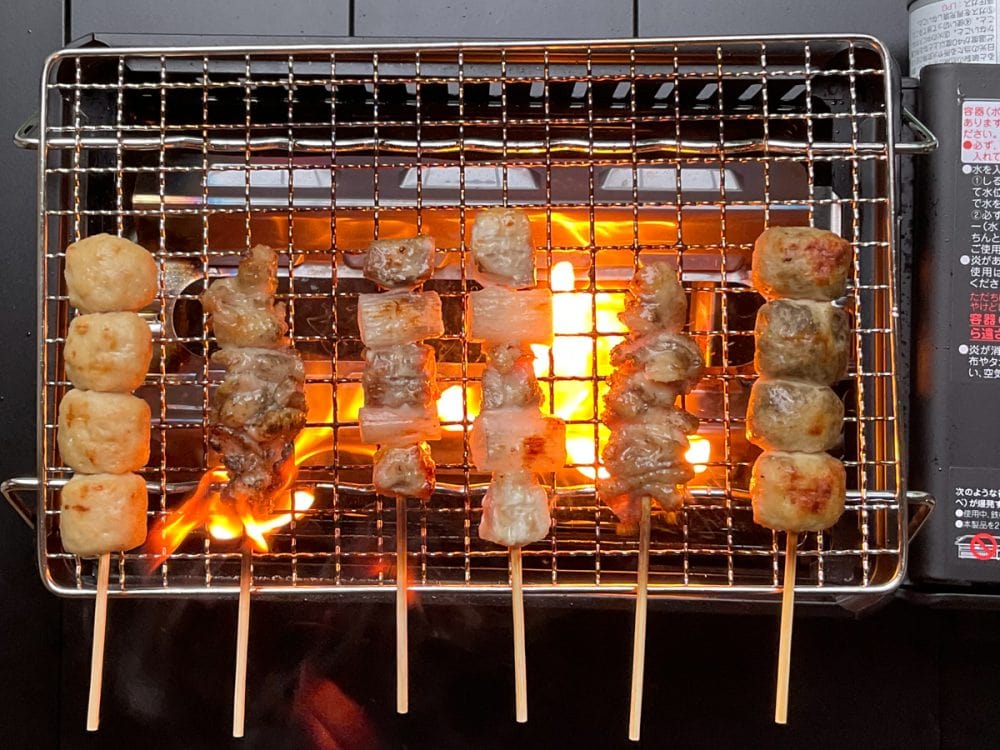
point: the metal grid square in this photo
(620, 152)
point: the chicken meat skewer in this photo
(400, 388)
(645, 454)
(793, 414)
(104, 430)
(256, 413)
(511, 437)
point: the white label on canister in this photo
(953, 31)
(981, 131)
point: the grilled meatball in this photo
(797, 491)
(402, 375)
(242, 307)
(517, 317)
(665, 357)
(103, 432)
(802, 340)
(101, 513)
(406, 470)
(105, 273)
(801, 263)
(108, 351)
(792, 415)
(400, 264)
(515, 510)
(501, 248)
(656, 301)
(393, 318)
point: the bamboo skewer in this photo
(402, 616)
(785, 643)
(520, 656)
(639, 634)
(97, 646)
(242, 638)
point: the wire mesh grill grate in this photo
(620, 152)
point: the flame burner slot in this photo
(619, 153)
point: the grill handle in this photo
(27, 135)
(919, 505)
(12, 490)
(927, 142)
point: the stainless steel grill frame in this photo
(93, 152)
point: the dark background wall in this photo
(905, 676)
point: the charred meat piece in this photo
(404, 470)
(632, 393)
(515, 510)
(400, 264)
(403, 375)
(803, 340)
(797, 491)
(242, 307)
(792, 415)
(801, 263)
(501, 248)
(624, 493)
(255, 415)
(665, 357)
(656, 301)
(658, 441)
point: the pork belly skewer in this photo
(256, 413)
(645, 455)
(400, 411)
(801, 349)
(511, 437)
(103, 429)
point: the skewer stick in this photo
(97, 647)
(785, 644)
(242, 638)
(520, 657)
(639, 635)
(402, 616)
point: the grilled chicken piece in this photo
(393, 318)
(632, 393)
(501, 248)
(509, 378)
(403, 375)
(797, 491)
(516, 317)
(802, 340)
(666, 358)
(515, 510)
(624, 493)
(108, 351)
(792, 415)
(103, 432)
(655, 443)
(101, 513)
(255, 415)
(400, 264)
(801, 263)
(105, 273)
(656, 301)
(405, 470)
(399, 426)
(242, 307)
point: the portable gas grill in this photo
(621, 152)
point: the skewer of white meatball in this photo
(103, 431)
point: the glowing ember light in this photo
(699, 453)
(450, 411)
